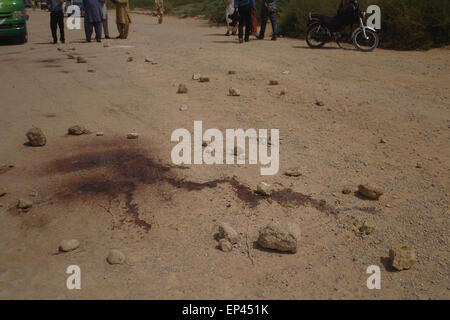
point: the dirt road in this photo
(384, 121)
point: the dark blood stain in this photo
(371, 210)
(119, 171)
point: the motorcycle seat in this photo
(330, 22)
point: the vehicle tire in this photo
(313, 31)
(23, 39)
(363, 44)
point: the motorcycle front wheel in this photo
(365, 44)
(316, 35)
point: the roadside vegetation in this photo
(406, 24)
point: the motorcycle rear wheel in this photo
(314, 30)
(363, 44)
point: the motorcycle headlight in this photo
(19, 14)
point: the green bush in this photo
(406, 24)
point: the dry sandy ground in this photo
(110, 192)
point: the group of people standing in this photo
(95, 18)
(247, 18)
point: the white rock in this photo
(132, 135)
(69, 245)
(264, 189)
(115, 257)
(227, 232)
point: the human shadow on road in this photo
(324, 48)
(225, 41)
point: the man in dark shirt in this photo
(56, 19)
(244, 7)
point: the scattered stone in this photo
(204, 79)
(24, 205)
(71, 56)
(368, 227)
(149, 60)
(228, 233)
(99, 134)
(225, 245)
(402, 258)
(33, 194)
(132, 135)
(196, 76)
(2, 192)
(369, 192)
(130, 59)
(283, 92)
(81, 60)
(105, 45)
(419, 165)
(319, 103)
(36, 137)
(234, 92)
(69, 245)
(264, 189)
(293, 172)
(182, 88)
(273, 82)
(72, 48)
(77, 130)
(183, 107)
(280, 235)
(115, 257)
(232, 72)
(286, 72)
(382, 140)
(346, 191)
(59, 49)
(91, 70)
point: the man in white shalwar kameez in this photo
(229, 10)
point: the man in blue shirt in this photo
(269, 10)
(243, 6)
(56, 19)
(93, 16)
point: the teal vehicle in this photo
(13, 20)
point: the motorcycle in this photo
(322, 29)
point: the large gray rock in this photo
(36, 137)
(280, 235)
